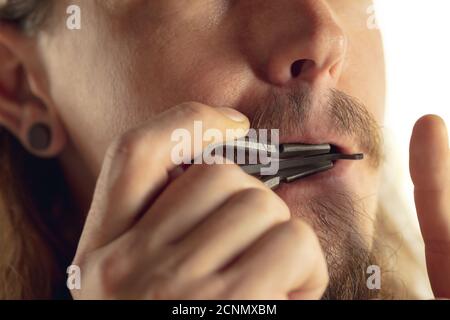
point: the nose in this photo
(302, 42)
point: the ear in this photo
(26, 108)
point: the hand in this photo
(430, 172)
(214, 232)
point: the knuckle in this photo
(117, 273)
(126, 156)
(212, 287)
(129, 144)
(170, 275)
(111, 274)
(194, 110)
(221, 172)
(266, 202)
(186, 265)
(299, 229)
(227, 171)
(114, 268)
(162, 288)
(240, 289)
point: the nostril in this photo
(300, 66)
(297, 67)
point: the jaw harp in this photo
(295, 160)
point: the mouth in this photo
(322, 159)
(297, 161)
(338, 144)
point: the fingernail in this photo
(233, 114)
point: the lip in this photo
(330, 177)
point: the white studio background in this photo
(416, 36)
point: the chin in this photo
(355, 183)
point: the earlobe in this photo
(22, 111)
(40, 132)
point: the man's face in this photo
(293, 65)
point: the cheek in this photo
(99, 99)
(92, 95)
(364, 74)
(195, 70)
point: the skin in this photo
(114, 92)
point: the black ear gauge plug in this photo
(40, 137)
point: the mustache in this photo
(343, 115)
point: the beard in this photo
(336, 219)
(334, 212)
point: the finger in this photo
(225, 234)
(430, 172)
(201, 190)
(137, 166)
(287, 262)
